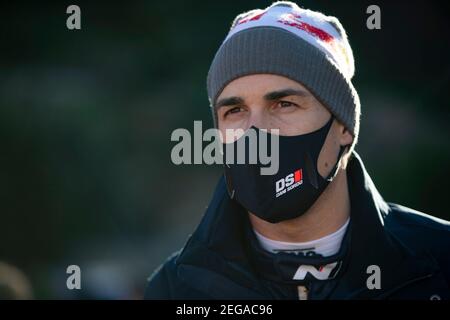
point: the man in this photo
(318, 228)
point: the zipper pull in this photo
(302, 293)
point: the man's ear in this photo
(346, 138)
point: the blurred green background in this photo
(86, 118)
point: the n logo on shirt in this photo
(324, 272)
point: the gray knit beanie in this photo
(302, 45)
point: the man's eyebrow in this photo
(278, 94)
(274, 95)
(229, 101)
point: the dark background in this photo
(86, 118)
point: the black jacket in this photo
(221, 259)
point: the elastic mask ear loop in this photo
(334, 172)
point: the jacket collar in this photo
(218, 252)
(371, 243)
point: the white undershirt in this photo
(326, 246)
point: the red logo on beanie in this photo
(252, 18)
(292, 21)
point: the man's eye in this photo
(232, 110)
(285, 104)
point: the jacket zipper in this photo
(302, 292)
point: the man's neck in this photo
(328, 214)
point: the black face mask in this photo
(293, 189)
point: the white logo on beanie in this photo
(323, 32)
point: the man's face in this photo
(270, 102)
